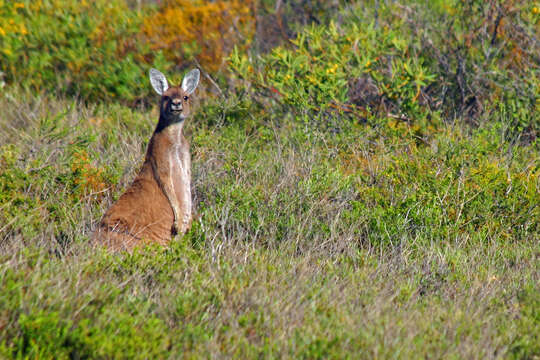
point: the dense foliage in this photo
(72, 47)
(366, 178)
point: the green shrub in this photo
(414, 63)
(87, 48)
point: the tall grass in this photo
(305, 245)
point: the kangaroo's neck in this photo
(166, 140)
(174, 133)
(165, 124)
(170, 129)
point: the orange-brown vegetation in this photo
(201, 30)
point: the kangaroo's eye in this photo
(186, 98)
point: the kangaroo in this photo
(157, 205)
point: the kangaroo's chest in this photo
(179, 165)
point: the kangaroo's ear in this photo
(158, 81)
(191, 80)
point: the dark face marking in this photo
(175, 104)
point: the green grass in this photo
(327, 225)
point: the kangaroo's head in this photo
(175, 100)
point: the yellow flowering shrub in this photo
(86, 177)
(207, 31)
(11, 24)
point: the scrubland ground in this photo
(357, 195)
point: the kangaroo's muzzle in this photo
(176, 105)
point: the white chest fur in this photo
(180, 174)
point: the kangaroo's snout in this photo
(176, 104)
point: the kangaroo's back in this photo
(157, 205)
(141, 215)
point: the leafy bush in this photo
(393, 62)
(485, 57)
(73, 47)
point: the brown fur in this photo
(144, 213)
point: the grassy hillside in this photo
(370, 188)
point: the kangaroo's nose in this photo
(176, 104)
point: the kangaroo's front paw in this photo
(174, 229)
